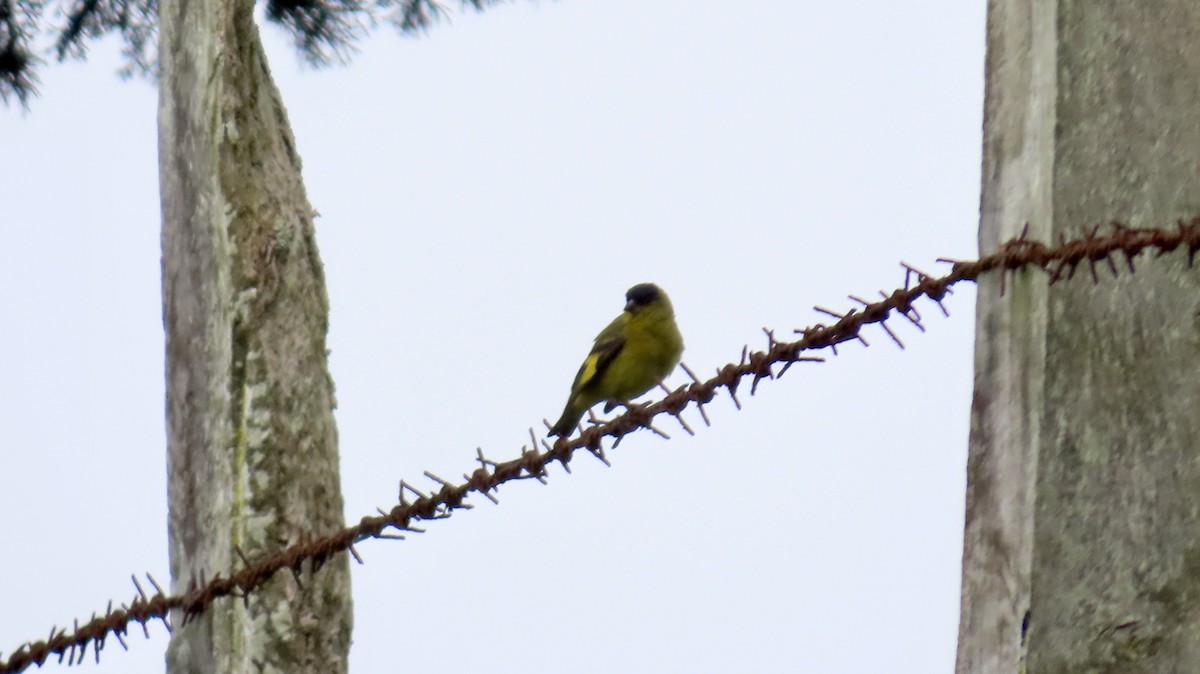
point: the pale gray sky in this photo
(488, 193)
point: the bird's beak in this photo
(629, 306)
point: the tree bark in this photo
(1082, 542)
(252, 445)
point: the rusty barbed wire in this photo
(1057, 260)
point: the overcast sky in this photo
(487, 194)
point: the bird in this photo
(636, 351)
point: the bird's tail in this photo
(568, 421)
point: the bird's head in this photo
(643, 295)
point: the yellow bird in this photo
(636, 351)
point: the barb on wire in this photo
(1057, 260)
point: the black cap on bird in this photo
(641, 295)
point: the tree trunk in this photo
(1082, 544)
(252, 446)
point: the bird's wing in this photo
(608, 344)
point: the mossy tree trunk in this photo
(252, 446)
(1082, 546)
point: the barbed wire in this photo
(1058, 260)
